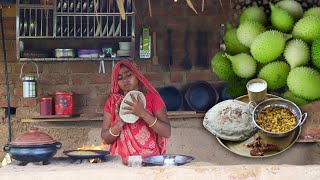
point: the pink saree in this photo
(137, 138)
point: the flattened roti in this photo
(230, 120)
(131, 118)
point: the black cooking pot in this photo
(33, 146)
(172, 97)
(32, 153)
(200, 96)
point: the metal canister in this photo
(29, 83)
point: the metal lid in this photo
(33, 137)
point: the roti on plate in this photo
(130, 118)
(230, 120)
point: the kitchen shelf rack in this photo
(43, 26)
(84, 117)
(71, 59)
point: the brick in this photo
(56, 67)
(158, 11)
(50, 90)
(99, 79)
(91, 110)
(96, 101)
(53, 79)
(3, 91)
(79, 79)
(10, 46)
(17, 91)
(81, 90)
(9, 23)
(153, 77)
(198, 76)
(11, 55)
(9, 34)
(101, 89)
(30, 102)
(153, 68)
(2, 68)
(176, 11)
(177, 21)
(84, 68)
(79, 100)
(14, 102)
(26, 112)
(13, 79)
(176, 77)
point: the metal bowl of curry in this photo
(277, 117)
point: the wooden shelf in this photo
(172, 115)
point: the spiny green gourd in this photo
(275, 74)
(243, 65)
(248, 31)
(315, 11)
(294, 98)
(268, 46)
(222, 67)
(281, 19)
(253, 13)
(292, 7)
(297, 53)
(315, 52)
(307, 28)
(304, 82)
(233, 45)
(237, 88)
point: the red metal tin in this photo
(46, 106)
(64, 103)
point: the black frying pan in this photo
(75, 154)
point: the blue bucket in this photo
(201, 96)
(172, 98)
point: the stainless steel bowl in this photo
(278, 102)
(64, 53)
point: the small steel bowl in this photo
(278, 102)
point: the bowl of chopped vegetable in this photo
(277, 117)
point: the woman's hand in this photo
(135, 107)
(117, 110)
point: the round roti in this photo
(230, 120)
(130, 118)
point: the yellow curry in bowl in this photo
(276, 119)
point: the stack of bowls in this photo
(124, 49)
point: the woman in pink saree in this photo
(147, 136)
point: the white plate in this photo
(130, 118)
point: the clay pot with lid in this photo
(33, 146)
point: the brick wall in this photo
(91, 87)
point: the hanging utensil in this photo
(150, 10)
(199, 47)
(202, 8)
(191, 6)
(121, 9)
(170, 58)
(145, 43)
(205, 49)
(186, 62)
(101, 67)
(155, 60)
